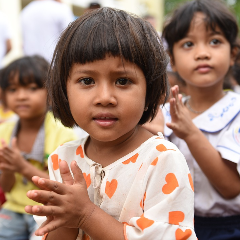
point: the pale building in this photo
(12, 9)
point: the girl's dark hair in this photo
(217, 14)
(32, 69)
(102, 32)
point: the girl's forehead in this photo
(200, 21)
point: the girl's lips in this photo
(203, 69)
(22, 107)
(105, 122)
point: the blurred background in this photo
(159, 9)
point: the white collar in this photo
(214, 119)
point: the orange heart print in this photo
(144, 223)
(142, 201)
(154, 162)
(111, 188)
(132, 159)
(176, 217)
(162, 148)
(183, 235)
(55, 161)
(190, 181)
(171, 185)
(85, 237)
(79, 151)
(87, 179)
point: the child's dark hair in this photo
(236, 68)
(30, 69)
(102, 32)
(217, 14)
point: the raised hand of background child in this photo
(10, 157)
(65, 204)
(181, 123)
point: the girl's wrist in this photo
(86, 215)
(192, 135)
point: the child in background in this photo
(25, 144)
(5, 114)
(202, 43)
(109, 77)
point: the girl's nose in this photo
(105, 95)
(21, 93)
(202, 53)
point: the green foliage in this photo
(171, 5)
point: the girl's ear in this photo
(172, 62)
(234, 53)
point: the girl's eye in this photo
(11, 89)
(33, 88)
(86, 81)
(187, 44)
(215, 42)
(122, 81)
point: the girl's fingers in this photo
(49, 226)
(4, 144)
(44, 197)
(77, 173)
(173, 108)
(6, 166)
(51, 185)
(28, 209)
(35, 180)
(65, 173)
(48, 211)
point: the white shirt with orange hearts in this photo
(150, 190)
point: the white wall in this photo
(12, 8)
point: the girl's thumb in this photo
(77, 172)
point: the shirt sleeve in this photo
(168, 203)
(229, 142)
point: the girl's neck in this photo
(204, 98)
(106, 153)
(32, 124)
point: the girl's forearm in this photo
(221, 173)
(7, 181)
(100, 225)
(28, 171)
(63, 234)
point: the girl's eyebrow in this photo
(215, 33)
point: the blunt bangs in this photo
(217, 15)
(27, 70)
(103, 32)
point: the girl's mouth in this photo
(105, 121)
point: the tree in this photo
(171, 5)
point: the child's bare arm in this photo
(80, 212)
(221, 173)
(7, 179)
(157, 124)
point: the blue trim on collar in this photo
(228, 149)
(214, 119)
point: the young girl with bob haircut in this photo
(202, 42)
(108, 76)
(25, 144)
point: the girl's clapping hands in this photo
(65, 204)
